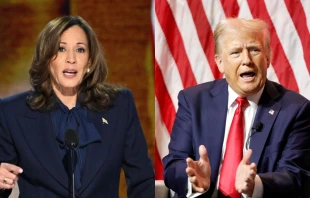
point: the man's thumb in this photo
(246, 157)
(203, 153)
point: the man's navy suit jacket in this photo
(281, 150)
(27, 139)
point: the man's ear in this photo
(268, 61)
(219, 62)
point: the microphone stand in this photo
(72, 141)
(72, 169)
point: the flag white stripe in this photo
(271, 74)
(244, 11)
(214, 12)
(197, 58)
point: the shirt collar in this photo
(65, 109)
(252, 99)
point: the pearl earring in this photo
(87, 70)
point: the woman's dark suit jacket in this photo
(27, 140)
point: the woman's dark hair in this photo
(93, 92)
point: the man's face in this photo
(244, 61)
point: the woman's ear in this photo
(88, 67)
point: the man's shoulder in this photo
(285, 95)
(206, 87)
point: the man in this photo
(270, 157)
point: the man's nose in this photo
(246, 57)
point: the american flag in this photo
(184, 50)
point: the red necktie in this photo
(233, 153)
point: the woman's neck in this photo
(67, 96)
(69, 101)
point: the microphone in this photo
(257, 127)
(72, 141)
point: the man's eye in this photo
(254, 50)
(235, 53)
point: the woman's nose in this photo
(71, 58)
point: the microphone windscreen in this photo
(71, 138)
(259, 126)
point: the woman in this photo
(68, 73)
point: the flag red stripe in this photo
(165, 103)
(230, 7)
(175, 42)
(205, 34)
(298, 16)
(279, 62)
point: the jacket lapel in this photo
(38, 132)
(215, 111)
(105, 123)
(267, 113)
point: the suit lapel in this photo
(38, 132)
(267, 113)
(215, 111)
(105, 123)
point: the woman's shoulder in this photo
(16, 97)
(122, 102)
(124, 96)
(15, 101)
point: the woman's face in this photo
(69, 66)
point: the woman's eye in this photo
(61, 49)
(81, 50)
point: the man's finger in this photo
(12, 168)
(253, 166)
(190, 171)
(190, 162)
(199, 190)
(203, 153)
(249, 179)
(246, 157)
(193, 180)
(252, 172)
